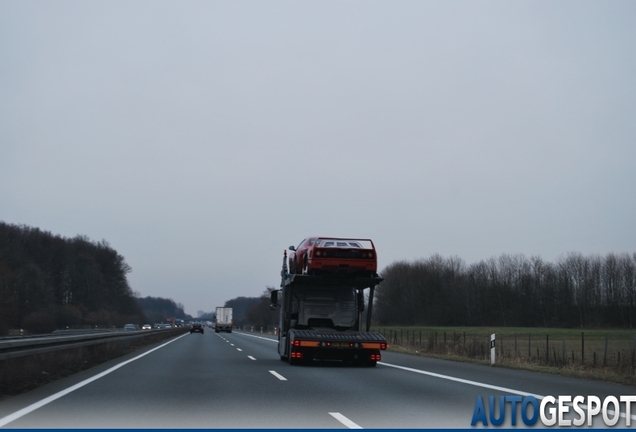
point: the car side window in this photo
(312, 241)
(300, 245)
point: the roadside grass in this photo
(598, 354)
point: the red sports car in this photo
(320, 255)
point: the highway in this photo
(237, 380)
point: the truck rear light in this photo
(296, 343)
(375, 357)
(383, 345)
(296, 355)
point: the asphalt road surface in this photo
(237, 380)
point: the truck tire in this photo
(293, 361)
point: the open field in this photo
(603, 354)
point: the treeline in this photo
(253, 311)
(49, 282)
(157, 309)
(511, 290)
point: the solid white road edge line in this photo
(463, 381)
(277, 375)
(24, 411)
(484, 385)
(251, 358)
(345, 421)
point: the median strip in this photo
(24, 411)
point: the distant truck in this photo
(223, 320)
(321, 318)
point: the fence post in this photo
(634, 353)
(492, 349)
(605, 353)
(547, 349)
(582, 348)
(529, 346)
(563, 360)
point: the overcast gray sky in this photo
(202, 138)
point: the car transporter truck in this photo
(321, 318)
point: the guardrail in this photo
(27, 346)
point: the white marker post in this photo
(492, 349)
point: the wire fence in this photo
(616, 351)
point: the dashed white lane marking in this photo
(251, 358)
(277, 375)
(232, 344)
(239, 349)
(345, 421)
(24, 411)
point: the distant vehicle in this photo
(223, 319)
(331, 255)
(146, 327)
(196, 327)
(131, 327)
(157, 326)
